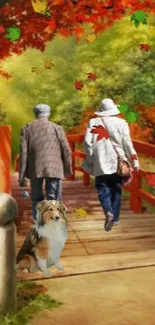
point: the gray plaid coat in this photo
(44, 151)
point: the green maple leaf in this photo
(13, 33)
(123, 108)
(131, 116)
(47, 14)
(139, 16)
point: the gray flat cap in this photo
(42, 109)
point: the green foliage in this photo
(124, 73)
(30, 301)
(3, 115)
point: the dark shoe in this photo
(108, 221)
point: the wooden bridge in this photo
(89, 248)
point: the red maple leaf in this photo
(101, 131)
(134, 157)
(150, 178)
(52, 24)
(78, 85)
(2, 30)
(92, 76)
(145, 47)
(80, 18)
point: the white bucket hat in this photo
(107, 108)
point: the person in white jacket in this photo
(102, 159)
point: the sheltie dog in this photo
(45, 240)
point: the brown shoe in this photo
(108, 221)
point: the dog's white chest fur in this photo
(57, 236)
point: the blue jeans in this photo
(53, 189)
(109, 188)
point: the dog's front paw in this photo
(59, 267)
(47, 273)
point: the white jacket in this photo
(101, 153)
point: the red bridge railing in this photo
(137, 194)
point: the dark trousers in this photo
(53, 189)
(109, 188)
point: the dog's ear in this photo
(63, 207)
(41, 205)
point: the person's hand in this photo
(22, 182)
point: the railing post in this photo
(86, 179)
(5, 159)
(135, 201)
(8, 212)
(72, 177)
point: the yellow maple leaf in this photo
(40, 6)
(91, 38)
(48, 64)
(81, 213)
(36, 70)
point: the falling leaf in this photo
(92, 92)
(40, 6)
(78, 85)
(139, 16)
(92, 76)
(36, 70)
(2, 30)
(5, 74)
(145, 47)
(101, 131)
(150, 178)
(123, 108)
(134, 157)
(81, 213)
(131, 116)
(91, 38)
(13, 33)
(47, 14)
(48, 64)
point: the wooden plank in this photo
(100, 216)
(96, 263)
(122, 245)
(100, 235)
(98, 224)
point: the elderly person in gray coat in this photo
(102, 158)
(44, 154)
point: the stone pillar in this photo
(8, 212)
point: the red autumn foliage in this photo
(78, 85)
(101, 131)
(145, 47)
(67, 18)
(92, 76)
(150, 179)
(134, 157)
